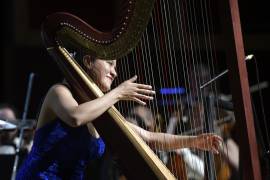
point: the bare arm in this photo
(67, 109)
(62, 103)
(164, 141)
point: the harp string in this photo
(165, 53)
(193, 57)
(159, 53)
(265, 146)
(172, 51)
(148, 73)
(182, 38)
(119, 105)
(183, 55)
(149, 70)
(127, 76)
(195, 115)
(166, 58)
(172, 38)
(213, 87)
(155, 108)
(211, 61)
(183, 42)
(144, 68)
(199, 114)
(163, 73)
(203, 98)
(185, 63)
(211, 170)
(214, 59)
(190, 65)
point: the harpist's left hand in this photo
(208, 142)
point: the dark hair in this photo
(78, 56)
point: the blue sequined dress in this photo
(60, 152)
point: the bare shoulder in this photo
(56, 92)
(46, 113)
(58, 89)
(58, 96)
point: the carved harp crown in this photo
(64, 28)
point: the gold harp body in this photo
(139, 160)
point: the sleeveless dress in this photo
(60, 152)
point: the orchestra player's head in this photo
(197, 76)
(8, 114)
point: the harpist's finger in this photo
(218, 138)
(138, 101)
(215, 150)
(146, 91)
(142, 96)
(134, 78)
(144, 86)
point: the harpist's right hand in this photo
(129, 90)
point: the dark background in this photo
(22, 51)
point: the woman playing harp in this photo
(65, 139)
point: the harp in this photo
(179, 18)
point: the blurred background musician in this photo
(8, 132)
(9, 139)
(7, 135)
